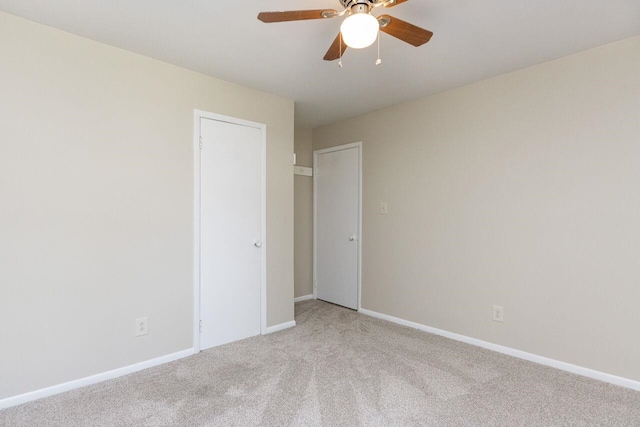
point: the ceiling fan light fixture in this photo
(359, 30)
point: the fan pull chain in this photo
(340, 61)
(378, 61)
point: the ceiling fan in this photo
(360, 28)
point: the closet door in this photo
(231, 197)
(337, 220)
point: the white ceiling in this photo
(473, 40)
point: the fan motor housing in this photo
(350, 3)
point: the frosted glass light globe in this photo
(359, 30)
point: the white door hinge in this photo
(201, 143)
(200, 326)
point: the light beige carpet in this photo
(340, 368)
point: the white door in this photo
(337, 217)
(230, 232)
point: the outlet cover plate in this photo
(142, 326)
(498, 313)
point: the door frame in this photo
(357, 145)
(198, 115)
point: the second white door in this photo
(337, 218)
(230, 232)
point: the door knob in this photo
(257, 243)
(352, 237)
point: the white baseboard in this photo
(93, 379)
(280, 327)
(579, 370)
(303, 298)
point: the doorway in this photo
(230, 274)
(337, 224)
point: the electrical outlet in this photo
(142, 326)
(498, 313)
(383, 208)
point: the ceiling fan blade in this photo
(296, 15)
(397, 2)
(404, 31)
(334, 51)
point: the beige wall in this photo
(303, 216)
(521, 191)
(96, 203)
